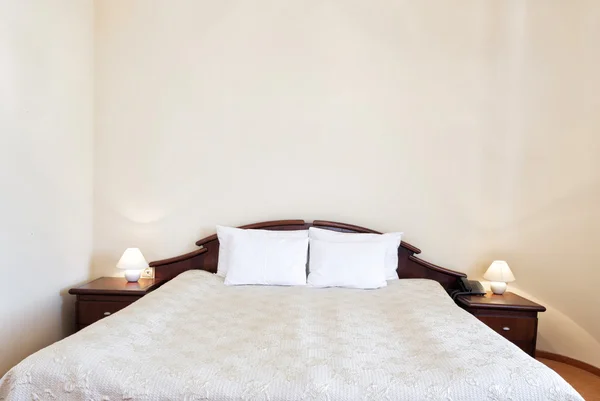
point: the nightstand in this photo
(107, 295)
(510, 315)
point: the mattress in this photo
(197, 339)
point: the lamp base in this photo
(133, 275)
(498, 287)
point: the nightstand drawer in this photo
(104, 296)
(510, 315)
(511, 328)
(91, 312)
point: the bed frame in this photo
(206, 258)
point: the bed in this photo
(197, 339)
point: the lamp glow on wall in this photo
(133, 262)
(499, 274)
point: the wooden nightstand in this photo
(107, 295)
(510, 315)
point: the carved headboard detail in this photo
(206, 258)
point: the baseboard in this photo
(569, 361)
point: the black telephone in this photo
(468, 287)
(473, 287)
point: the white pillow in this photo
(261, 259)
(391, 239)
(347, 264)
(225, 234)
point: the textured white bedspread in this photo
(196, 339)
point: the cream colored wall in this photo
(46, 128)
(470, 125)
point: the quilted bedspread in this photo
(197, 339)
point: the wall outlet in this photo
(148, 272)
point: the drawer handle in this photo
(106, 313)
(506, 328)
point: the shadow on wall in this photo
(67, 312)
(550, 241)
(559, 334)
(68, 309)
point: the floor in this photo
(586, 383)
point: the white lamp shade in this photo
(499, 272)
(132, 259)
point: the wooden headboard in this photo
(206, 258)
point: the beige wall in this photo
(470, 125)
(46, 128)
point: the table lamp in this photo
(499, 274)
(133, 262)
